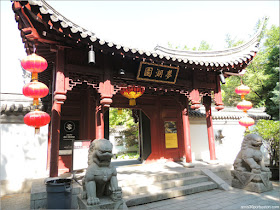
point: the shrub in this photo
(269, 131)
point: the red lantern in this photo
(242, 90)
(37, 119)
(132, 92)
(244, 105)
(246, 121)
(35, 64)
(35, 90)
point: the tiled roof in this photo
(14, 109)
(230, 113)
(227, 59)
(15, 104)
(225, 114)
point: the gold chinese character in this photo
(159, 73)
(169, 74)
(148, 72)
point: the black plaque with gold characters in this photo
(157, 73)
(69, 131)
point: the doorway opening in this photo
(123, 132)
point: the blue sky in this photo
(141, 24)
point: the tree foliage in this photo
(262, 74)
(269, 131)
(124, 118)
(203, 46)
(131, 128)
(232, 42)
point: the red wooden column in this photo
(99, 121)
(211, 138)
(218, 95)
(187, 134)
(60, 89)
(106, 90)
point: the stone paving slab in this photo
(214, 199)
(219, 199)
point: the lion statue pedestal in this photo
(249, 171)
(100, 184)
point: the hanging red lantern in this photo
(34, 64)
(37, 119)
(242, 90)
(244, 105)
(246, 122)
(132, 92)
(35, 90)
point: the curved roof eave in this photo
(251, 45)
(228, 58)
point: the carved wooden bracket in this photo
(195, 98)
(106, 90)
(60, 96)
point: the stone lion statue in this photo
(249, 159)
(101, 177)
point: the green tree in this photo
(131, 128)
(269, 131)
(272, 107)
(124, 118)
(262, 74)
(232, 42)
(204, 46)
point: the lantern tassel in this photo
(34, 76)
(36, 102)
(132, 102)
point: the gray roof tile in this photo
(221, 58)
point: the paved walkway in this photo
(219, 199)
(214, 199)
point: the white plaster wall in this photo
(199, 142)
(226, 149)
(23, 154)
(229, 146)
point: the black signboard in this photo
(157, 73)
(69, 131)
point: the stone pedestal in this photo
(252, 181)
(105, 203)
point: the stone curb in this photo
(221, 183)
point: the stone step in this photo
(150, 179)
(169, 193)
(159, 186)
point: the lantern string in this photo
(34, 48)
